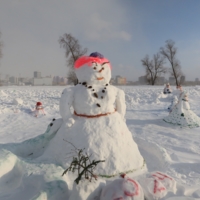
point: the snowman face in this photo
(97, 73)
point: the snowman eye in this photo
(104, 63)
(94, 68)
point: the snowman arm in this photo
(66, 101)
(120, 103)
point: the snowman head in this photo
(93, 69)
(184, 95)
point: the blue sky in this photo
(123, 31)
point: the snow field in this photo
(169, 149)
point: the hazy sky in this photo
(124, 31)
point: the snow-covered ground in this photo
(166, 148)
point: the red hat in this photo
(38, 103)
(89, 60)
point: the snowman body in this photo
(96, 110)
(95, 99)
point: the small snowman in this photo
(167, 89)
(93, 114)
(181, 114)
(39, 107)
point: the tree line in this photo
(154, 67)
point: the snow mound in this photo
(87, 190)
(2, 93)
(10, 172)
(123, 188)
(17, 101)
(157, 184)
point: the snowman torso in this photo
(94, 99)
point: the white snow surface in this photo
(166, 148)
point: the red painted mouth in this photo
(101, 78)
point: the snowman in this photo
(181, 113)
(174, 97)
(167, 89)
(174, 101)
(93, 114)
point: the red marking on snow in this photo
(89, 61)
(156, 188)
(161, 176)
(123, 175)
(136, 186)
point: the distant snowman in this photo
(174, 97)
(93, 114)
(167, 89)
(181, 114)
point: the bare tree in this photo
(73, 52)
(169, 52)
(154, 68)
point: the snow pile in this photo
(17, 101)
(122, 188)
(2, 93)
(157, 184)
(87, 190)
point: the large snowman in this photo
(93, 119)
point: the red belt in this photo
(93, 116)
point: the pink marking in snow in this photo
(160, 176)
(89, 60)
(136, 186)
(156, 189)
(122, 175)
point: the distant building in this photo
(182, 79)
(48, 81)
(57, 80)
(63, 81)
(22, 80)
(112, 81)
(37, 74)
(172, 80)
(7, 77)
(160, 80)
(196, 79)
(13, 80)
(142, 80)
(120, 80)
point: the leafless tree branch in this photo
(73, 51)
(154, 68)
(169, 52)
